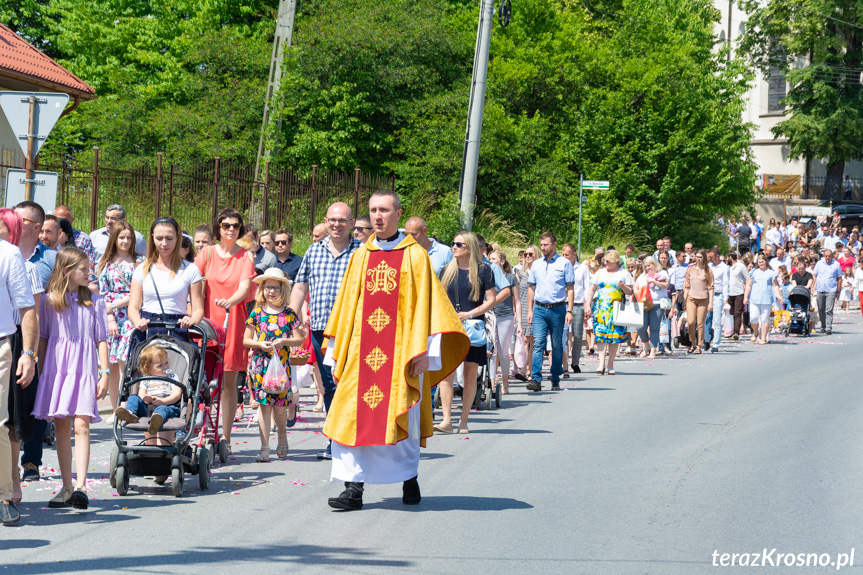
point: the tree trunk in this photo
(833, 183)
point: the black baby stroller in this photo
(165, 459)
(799, 301)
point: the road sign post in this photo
(586, 185)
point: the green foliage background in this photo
(633, 91)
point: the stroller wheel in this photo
(211, 451)
(112, 470)
(204, 468)
(497, 393)
(122, 480)
(223, 450)
(177, 481)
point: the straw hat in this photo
(273, 274)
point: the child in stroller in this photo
(158, 394)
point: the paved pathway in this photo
(648, 471)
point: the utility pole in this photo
(470, 161)
(284, 35)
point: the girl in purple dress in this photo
(72, 345)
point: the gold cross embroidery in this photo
(383, 278)
(379, 320)
(376, 359)
(373, 397)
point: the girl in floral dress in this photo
(272, 327)
(115, 281)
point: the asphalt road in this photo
(648, 471)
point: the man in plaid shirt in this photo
(320, 276)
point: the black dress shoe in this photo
(555, 386)
(326, 453)
(9, 513)
(411, 492)
(534, 385)
(829, 332)
(575, 368)
(79, 499)
(351, 499)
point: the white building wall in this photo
(770, 153)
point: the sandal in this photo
(600, 371)
(690, 350)
(282, 447)
(611, 372)
(697, 351)
(264, 455)
(642, 355)
(463, 430)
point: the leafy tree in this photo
(29, 19)
(185, 78)
(353, 72)
(818, 46)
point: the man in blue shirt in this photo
(439, 254)
(827, 274)
(549, 306)
(34, 251)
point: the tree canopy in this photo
(817, 45)
(633, 91)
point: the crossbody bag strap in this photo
(161, 307)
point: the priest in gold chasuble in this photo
(393, 334)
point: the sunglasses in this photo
(458, 244)
(361, 228)
(227, 226)
(281, 242)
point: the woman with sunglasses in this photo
(228, 270)
(531, 253)
(163, 286)
(469, 283)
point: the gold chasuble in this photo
(388, 305)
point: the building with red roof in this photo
(23, 68)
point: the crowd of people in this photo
(72, 305)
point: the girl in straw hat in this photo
(272, 328)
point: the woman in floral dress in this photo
(609, 285)
(115, 280)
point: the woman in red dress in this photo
(228, 270)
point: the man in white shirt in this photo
(773, 237)
(737, 277)
(579, 288)
(720, 295)
(780, 260)
(15, 294)
(113, 214)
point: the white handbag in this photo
(631, 314)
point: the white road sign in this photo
(44, 189)
(16, 107)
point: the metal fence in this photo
(193, 194)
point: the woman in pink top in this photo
(698, 295)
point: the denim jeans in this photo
(652, 320)
(326, 372)
(548, 322)
(137, 406)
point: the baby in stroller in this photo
(158, 394)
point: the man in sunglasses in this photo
(113, 214)
(286, 260)
(363, 228)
